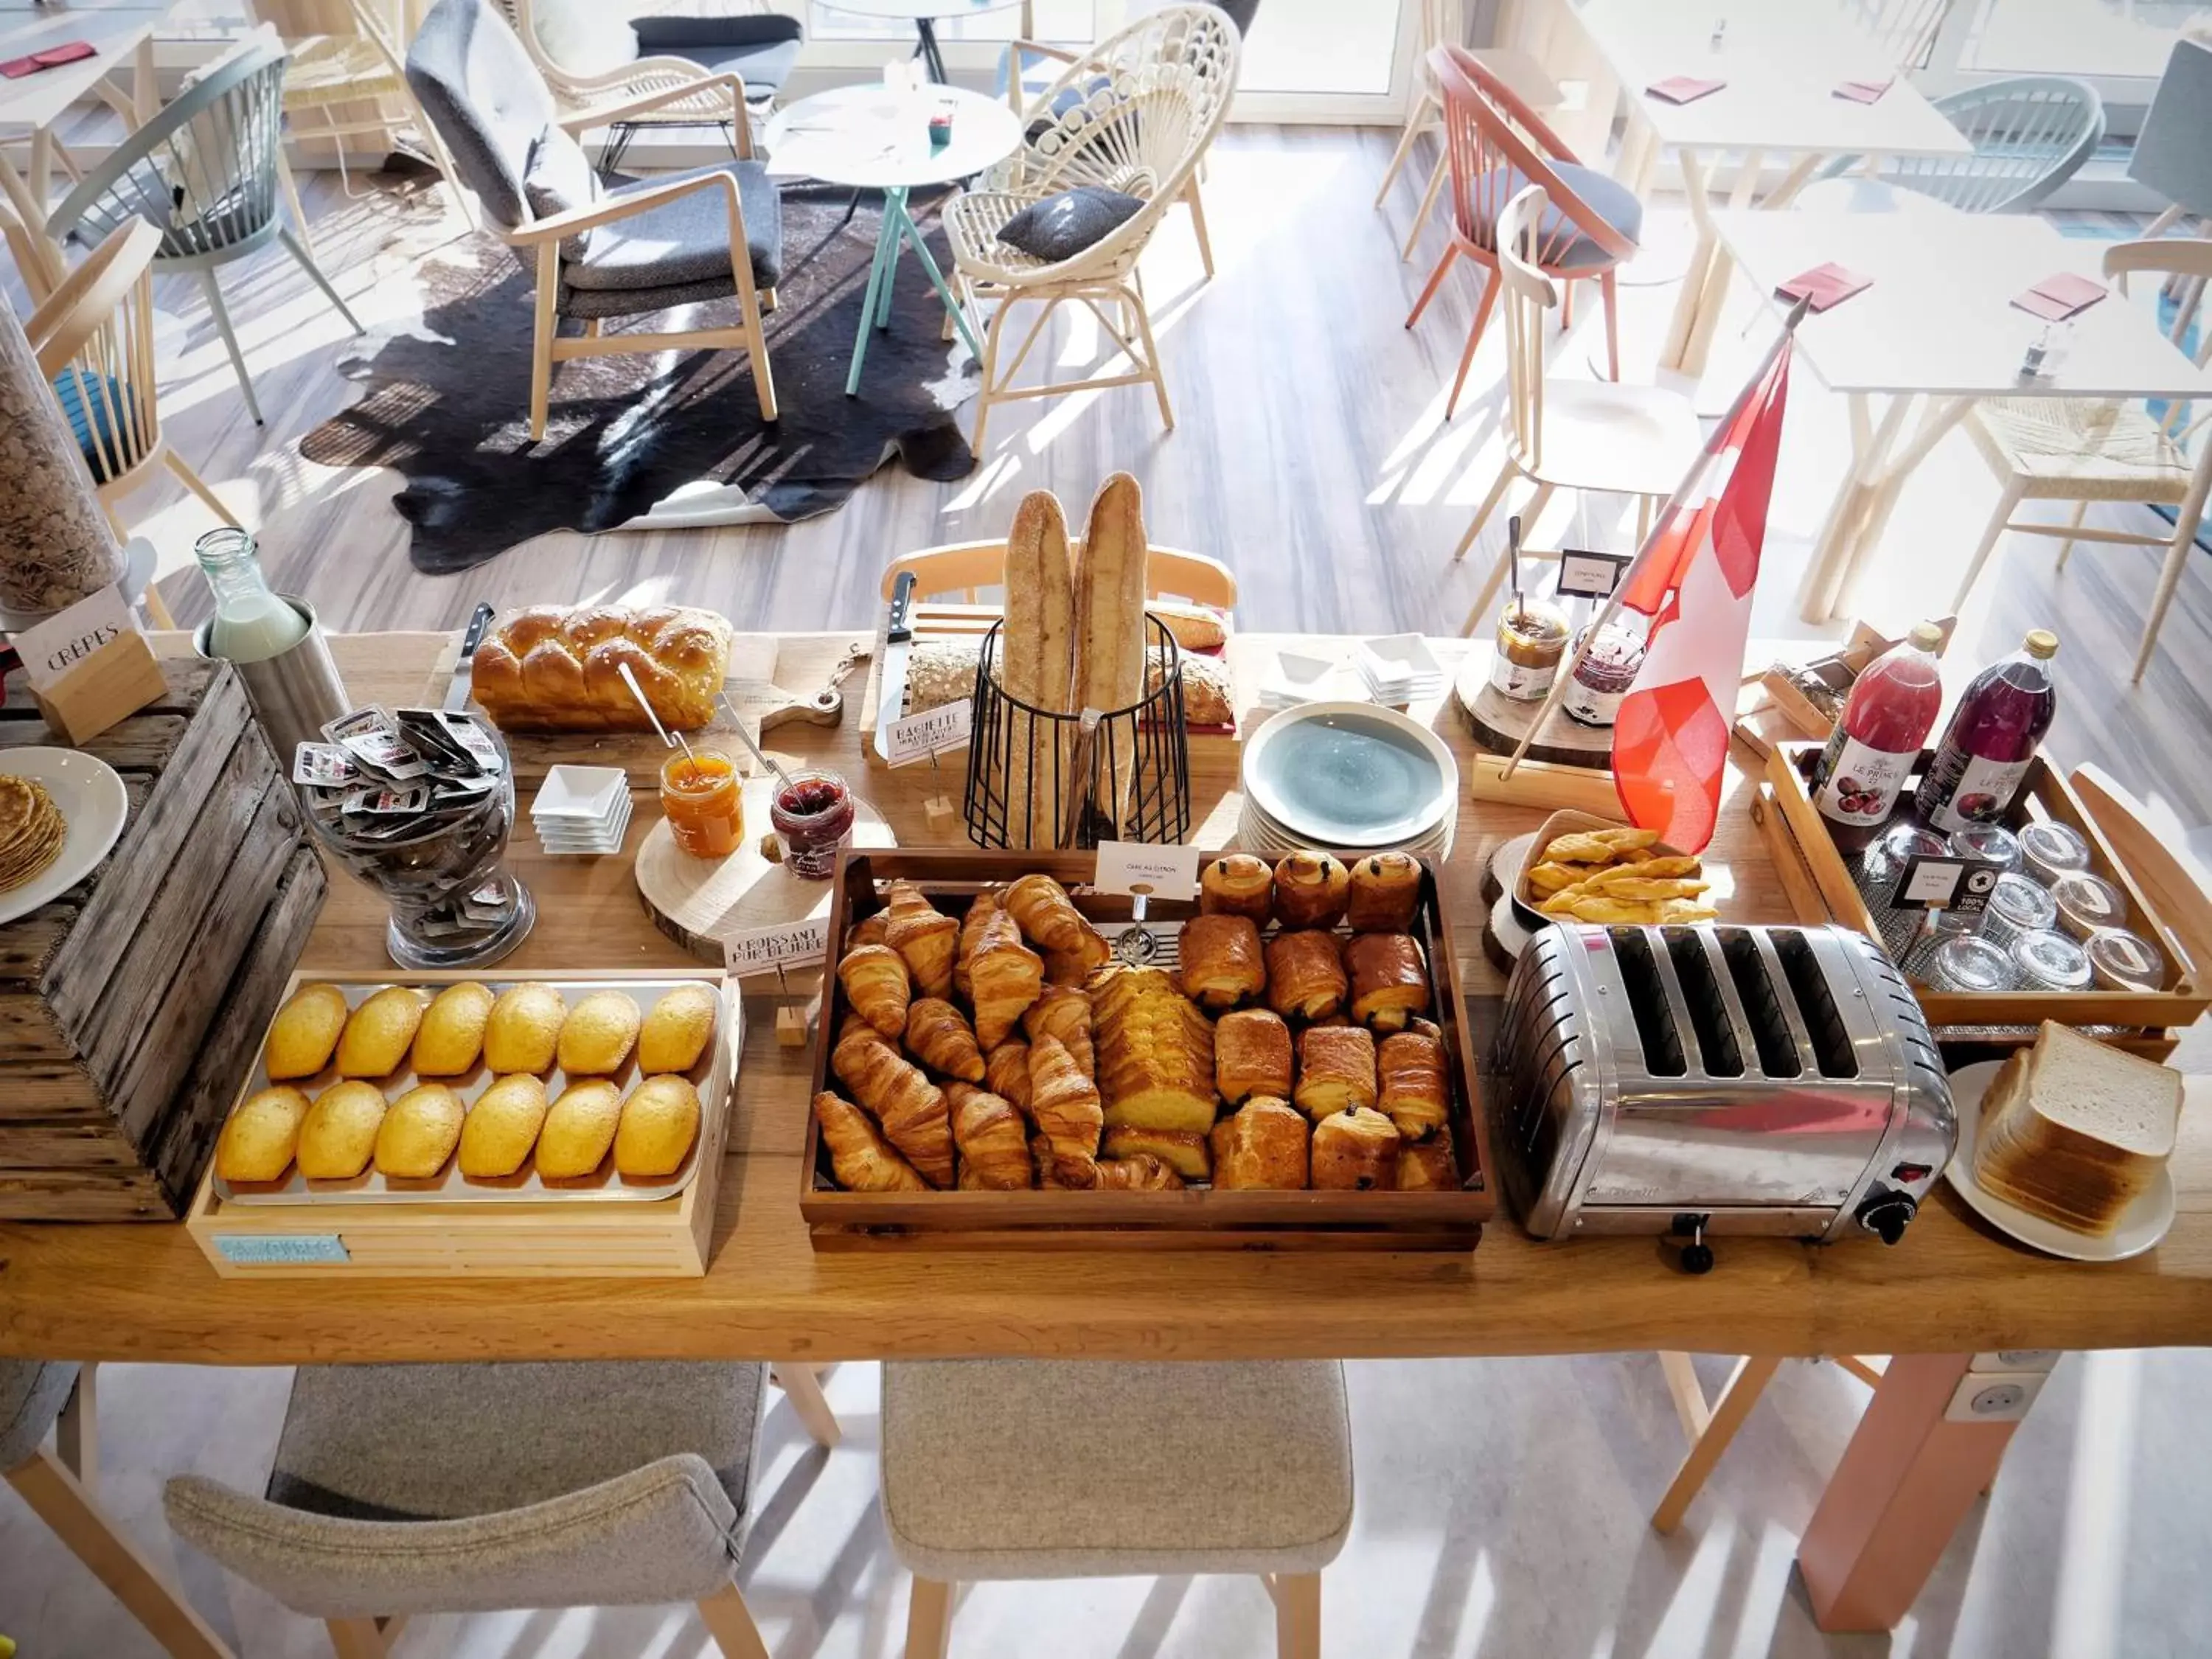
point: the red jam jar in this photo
(813, 817)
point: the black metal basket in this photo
(1041, 779)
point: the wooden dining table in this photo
(1951, 1291)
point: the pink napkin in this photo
(2057, 298)
(1863, 92)
(1683, 89)
(1825, 285)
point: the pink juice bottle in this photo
(1885, 719)
(1991, 738)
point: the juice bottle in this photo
(1991, 738)
(1891, 709)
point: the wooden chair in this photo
(406, 1490)
(647, 249)
(2084, 450)
(1905, 29)
(966, 1496)
(62, 1488)
(1133, 113)
(94, 338)
(1497, 146)
(966, 566)
(1570, 435)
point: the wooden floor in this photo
(1310, 455)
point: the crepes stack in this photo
(2074, 1132)
(31, 830)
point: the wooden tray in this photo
(2044, 795)
(494, 1230)
(1196, 1218)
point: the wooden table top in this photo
(145, 1291)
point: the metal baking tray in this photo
(714, 1076)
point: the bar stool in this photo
(1168, 1468)
(418, 1489)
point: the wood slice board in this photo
(1499, 722)
(696, 901)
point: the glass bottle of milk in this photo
(251, 624)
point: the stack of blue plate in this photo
(1348, 778)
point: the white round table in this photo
(871, 137)
(926, 15)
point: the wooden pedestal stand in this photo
(1569, 764)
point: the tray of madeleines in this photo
(1005, 1057)
(443, 1088)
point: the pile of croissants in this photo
(1007, 1048)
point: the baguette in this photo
(1037, 648)
(1110, 615)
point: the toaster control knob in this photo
(1885, 1214)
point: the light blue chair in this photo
(2031, 134)
(203, 172)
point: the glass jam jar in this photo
(1608, 670)
(2122, 961)
(2049, 960)
(1965, 964)
(2016, 906)
(1532, 640)
(813, 819)
(2088, 904)
(1876, 872)
(1992, 843)
(703, 800)
(2048, 849)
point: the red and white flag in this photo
(1693, 580)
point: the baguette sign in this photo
(920, 737)
(762, 950)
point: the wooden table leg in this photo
(145, 94)
(42, 171)
(1870, 447)
(1906, 1481)
(1940, 417)
(1675, 353)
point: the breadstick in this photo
(1109, 614)
(1038, 651)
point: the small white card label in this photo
(1135, 866)
(1932, 882)
(55, 646)
(762, 950)
(1591, 575)
(283, 1249)
(932, 732)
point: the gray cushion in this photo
(761, 47)
(559, 179)
(1613, 202)
(687, 241)
(476, 82)
(609, 302)
(32, 1394)
(1074, 1468)
(1060, 227)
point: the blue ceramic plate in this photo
(1350, 774)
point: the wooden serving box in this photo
(131, 1006)
(1197, 1217)
(575, 1235)
(2045, 794)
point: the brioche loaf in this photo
(552, 668)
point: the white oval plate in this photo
(1425, 794)
(2142, 1223)
(93, 804)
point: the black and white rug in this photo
(655, 440)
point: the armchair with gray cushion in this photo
(602, 250)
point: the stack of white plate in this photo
(1350, 779)
(1400, 669)
(583, 810)
(1298, 677)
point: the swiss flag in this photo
(1670, 740)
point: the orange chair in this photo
(1498, 147)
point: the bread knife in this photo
(465, 671)
(899, 640)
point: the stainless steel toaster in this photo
(1716, 1079)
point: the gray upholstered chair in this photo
(970, 1492)
(59, 1486)
(601, 252)
(2031, 133)
(400, 1490)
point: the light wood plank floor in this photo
(1311, 454)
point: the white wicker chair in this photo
(646, 77)
(1134, 113)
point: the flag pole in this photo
(1690, 479)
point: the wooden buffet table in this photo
(145, 1293)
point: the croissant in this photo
(1067, 1171)
(1305, 976)
(1412, 1068)
(993, 1142)
(1389, 982)
(1063, 1101)
(1004, 977)
(1064, 1013)
(912, 1110)
(939, 1038)
(1385, 893)
(1263, 1147)
(1355, 1151)
(1139, 1172)
(1183, 1150)
(1006, 1073)
(985, 906)
(1251, 1055)
(1047, 917)
(1221, 963)
(924, 935)
(1336, 1070)
(1311, 889)
(1238, 884)
(1072, 966)
(859, 1156)
(869, 930)
(1428, 1165)
(875, 981)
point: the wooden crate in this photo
(1192, 1218)
(2044, 795)
(467, 1237)
(130, 1005)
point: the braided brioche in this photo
(552, 668)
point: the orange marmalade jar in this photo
(701, 798)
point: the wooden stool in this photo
(1019, 1470)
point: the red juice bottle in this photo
(1885, 719)
(1991, 738)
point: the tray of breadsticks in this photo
(1007, 1056)
(444, 1089)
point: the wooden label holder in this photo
(90, 667)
